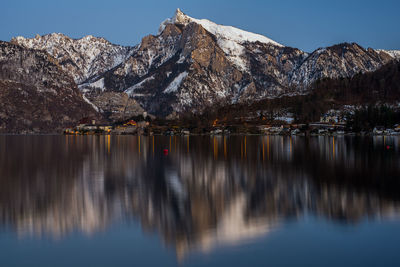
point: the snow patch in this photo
(234, 52)
(131, 89)
(90, 103)
(99, 84)
(320, 50)
(174, 85)
(181, 60)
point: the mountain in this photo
(85, 59)
(81, 58)
(378, 90)
(342, 60)
(193, 64)
(36, 95)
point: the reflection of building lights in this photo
(139, 144)
(215, 147)
(263, 150)
(225, 151)
(241, 149)
(108, 143)
(245, 147)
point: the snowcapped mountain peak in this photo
(180, 17)
(220, 31)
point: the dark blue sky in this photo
(306, 24)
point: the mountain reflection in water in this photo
(207, 191)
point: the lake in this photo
(199, 201)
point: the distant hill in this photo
(364, 89)
(36, 95)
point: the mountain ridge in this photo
(261, 69)
(82, 58)
(193, 64)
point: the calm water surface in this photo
(211, 201)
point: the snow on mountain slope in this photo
(81, 58)
(174, 85)
(220, 31)
(393, 53)
(341, 60)
(130, 91)
(229, 38)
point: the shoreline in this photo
(206, 134)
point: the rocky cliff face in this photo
(36, 95)
(194, 64)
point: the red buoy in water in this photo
(165, 151)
